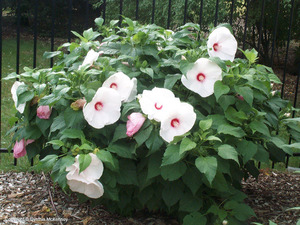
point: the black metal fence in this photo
(240, 23)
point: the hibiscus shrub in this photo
(139, 117)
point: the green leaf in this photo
(107, 158)
(205, 124)
(173, 172)
(213, 138)
(143, 134)
(171, 155)
(228, 152)
(25, 97)
(193, 179)
(170, 80)
(99, 21)
(260, 127)
(49, 161)
(246, 92)
(220, 89)
(235, 116)
(226, 100)
(172, 193)
(185, 66)
(247, 149)
(194, 218)
(127, 172)
(58, 123)
(190, 203)
(208, 166)
(58, 143)
(154, 142)
(84, 161)
(154, 165)
(251, 55)
(72, 134)
(231, 130)
(48, 55)
(123, 149)
(120, 132)
(186, 145)
(90, 34)
(148, 71)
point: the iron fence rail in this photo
(103, 12)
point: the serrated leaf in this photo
(220, 89)
(207, 165)
(228, 152)
(84, 161)
(186, 145)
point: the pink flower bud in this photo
(19, 148)
(78, 104)
(240, 97)
(134, 123)
(44, 112)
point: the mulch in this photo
(27, 198)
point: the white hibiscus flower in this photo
(90, 58)
(202, 77)
(177, 121)
(156, 102)
(221, 43)
(126, 87)
(86, 182)
(14, 88)
(104, 109)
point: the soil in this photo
(27, 198)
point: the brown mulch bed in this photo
(27, 198)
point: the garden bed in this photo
(33, 197)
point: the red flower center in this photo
(157, 106)
(216, 47)
(114, 86)
(98, 106)
(175, 123)
(200, 77)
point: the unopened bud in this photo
(225, 222)
(240, 97)
(78, 104)
(287, 114)
(35, 100)
(273, 93)
(125, 63)
(183, 57)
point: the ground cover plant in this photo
(139, 117)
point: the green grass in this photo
(7, 106)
